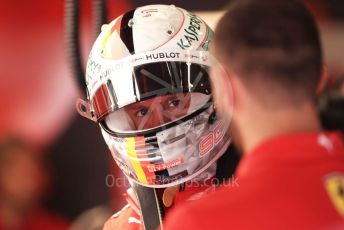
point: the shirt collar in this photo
(291, 147)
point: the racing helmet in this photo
(148, 87)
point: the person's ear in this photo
(324, 77)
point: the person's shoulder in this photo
(210, 212)
(125, 219)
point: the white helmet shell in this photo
(156, 54)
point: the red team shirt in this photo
(288, 182)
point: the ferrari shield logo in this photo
(335, 189)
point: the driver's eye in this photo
(174, 103)
(142, 112)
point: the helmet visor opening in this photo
(155, 112)
(173, 88)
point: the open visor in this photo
(150, 95)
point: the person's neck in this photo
(264, 125)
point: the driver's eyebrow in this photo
(176, 96)
(136, 107)
(144, 105)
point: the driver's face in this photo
(159, 110)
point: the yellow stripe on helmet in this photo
(130, 147)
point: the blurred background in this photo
(55, 167)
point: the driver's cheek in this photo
(175, 114)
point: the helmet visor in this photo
(155, 112)
(156, 94)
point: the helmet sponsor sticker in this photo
(162, 55)
(192, 33)
(164, 166)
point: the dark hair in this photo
(271, 43)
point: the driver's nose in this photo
(157, 117)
